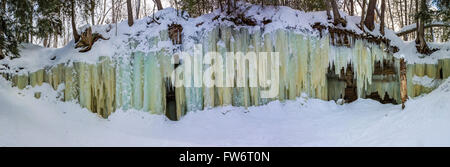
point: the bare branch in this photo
(413, 27)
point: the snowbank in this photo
(26, 121)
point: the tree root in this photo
(88, 39)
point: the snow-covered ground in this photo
(26, 121)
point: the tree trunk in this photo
(417, 19)
(49, 40)
(406, 19)
(158, 4)
(363, 12)
(369, 21)
(55, 38)
(93, 11)
(403, 83)
(31, 33)
(345, 7)
(352, 8)
(228, 6)
(421, 44)
(145, 8)
(130, 13)
(220, 5)
(113, 12)
(383, 6)
(45, 41)
(390, 14)
(328, 9)
(400, 12)
(432, 34)
(76, 36)
(406, 12)
(138, 7)
(336, 15)
(114, 15)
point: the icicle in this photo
(138, 80)
(153, 85)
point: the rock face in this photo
(307, 64)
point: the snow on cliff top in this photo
(35, 57)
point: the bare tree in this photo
(383, 6)
(158, 4)
(369, 21)
(328, 10)
(391, 16)
(406, 19)
(76, 36)
(363, 12)
(130, 13)
(93, 11)
(352, 10)
(400, 12)
(337, 17)
(428, 25)
(138, 7)
(55, 38)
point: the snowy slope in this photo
(26, 121)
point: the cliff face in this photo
(254, 65)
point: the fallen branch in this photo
(412, 27)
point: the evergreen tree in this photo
(21, 13)
(15, 25)
(49, 18)
(8, 42)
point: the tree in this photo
(336, 15)
(411, 28)
(352, 10)
(422, 17)
(92, 9)
(328, 10)
(22, 11)
(76, 36)
(138, 7)
(130, 13)
(369, 21)
(390, 14)
(8, 42)
(49, 21)
(363, 12)
(383, 6)
(158, 4)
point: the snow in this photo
(409, 52)
(426, 81)
(26, 121)
(413, 26)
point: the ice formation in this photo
(139, 81)
(140, 76)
